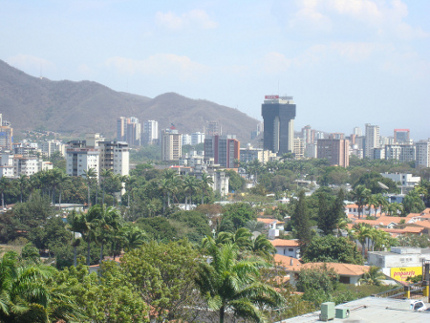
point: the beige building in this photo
(249, 153)
(336, 151)
(171, 145)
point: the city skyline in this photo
(360, 61)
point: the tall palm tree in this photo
(230, 284)
(362, 233)
(89, 175)
(191, 185)
(242, 238)
(361, 195)
(23, 183)
(62, 179)
(134, 237)
(205, 183)
(76, 224)
(104, 174)
(4, 185)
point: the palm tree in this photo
(134, 237)
(76, 224)
(372, 201)
(255, 226)
(373, 276)
(23, 183)
(361, 195)
(191, 186)
(242, 238)
(107, 221)
(61, 180)
(262, 247)
(206, 181)
(104, 174)
(22, 289)
(229, 284)
(4, 184)
(362, 232)
(89, 175)
(382, 201)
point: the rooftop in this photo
(372, 309)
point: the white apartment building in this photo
(422, 153)
(150, 131)
(197, 138)
(6, 165)
(81, 159)
(407, 181)
(403, 153)
(372, 139)
(25, 165)
(51, 146)
(114, 155)
(249, 154)
(186, 139)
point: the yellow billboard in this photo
(404, 272)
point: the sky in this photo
(345, 62)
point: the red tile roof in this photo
(284, 243)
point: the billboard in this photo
(402, 273)
(271, 97)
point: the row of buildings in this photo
(279, 137)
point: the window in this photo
(291, 250)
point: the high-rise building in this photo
(372, 139)
(98, 154)
(121, 129)
(422, 153)
(401, 136)
(6, 134)
(307, 135)
(357, 131)
(186, 139)
(223, 149)
(278, 113)
(299, 148)
(336, 151)
(171, 145)
(402, 153)
(150, 132)
(214, 128)
(129, 130)
(197, 138)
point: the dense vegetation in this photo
(176, 264)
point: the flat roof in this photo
(371, 309)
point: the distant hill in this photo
(75, 108)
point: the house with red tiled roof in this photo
(274, 226)
(290, 248)
(287, 263)
(348, 273)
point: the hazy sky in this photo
(346, 62)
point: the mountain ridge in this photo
(75, 108)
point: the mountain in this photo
(75, 108)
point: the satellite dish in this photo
(383, 186)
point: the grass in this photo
(5, 248)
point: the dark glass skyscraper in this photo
(278, 113)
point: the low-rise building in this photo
(290, 248)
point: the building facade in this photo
(150, 132)
(278, 114)
(336, 151)
(171, 145)
(224, 150)
(422, 157)
(371, 139)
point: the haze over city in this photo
(346, 63)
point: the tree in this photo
(300, 221)
(373, 276)
(163, 275)
(4, 184)
(317, 284)
(23, 183)
(332, 249)
(105, 174)
(362, 233)
(412, 203)
(361, 195)
(239, 214)
(190, 186)
(205, 183)
(231, 284)
(89, 175)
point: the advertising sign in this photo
(271, 97)
(402, 273)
